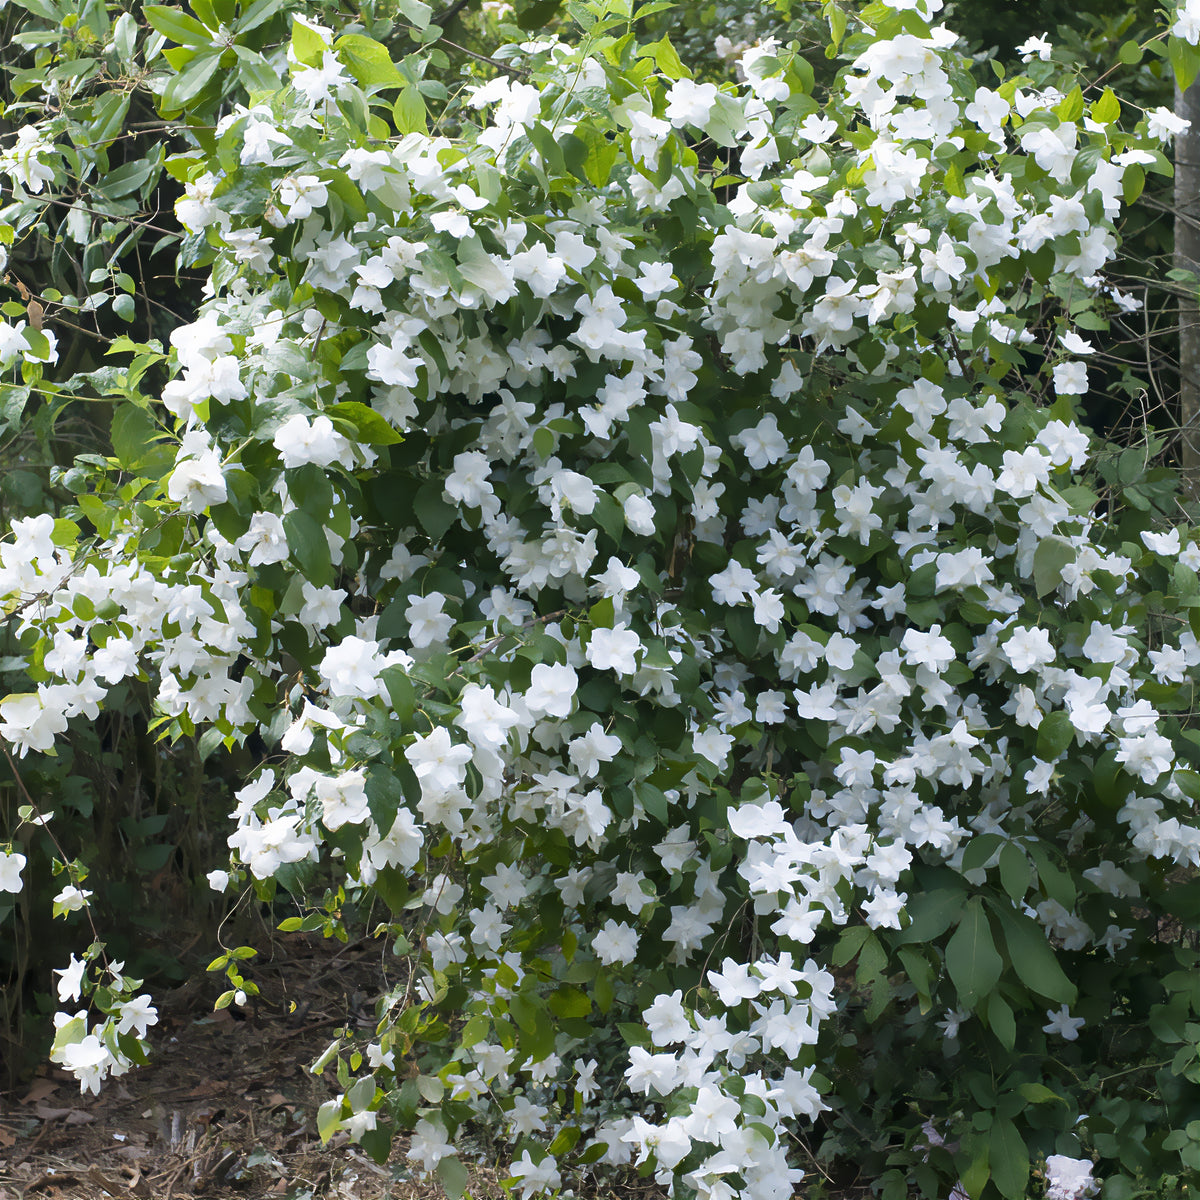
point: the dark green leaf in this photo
(434, 513)
(1001, 1020)
(190, 82)
(1016, 872)
(453, 1177)
(971, 956)
(1033, 959)
(1055, 734)
(308, 546)
(1009, 1159)
(1051, 556)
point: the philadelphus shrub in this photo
(650, 522)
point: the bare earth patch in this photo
(227, 1107)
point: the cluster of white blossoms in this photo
(721, 580)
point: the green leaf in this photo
(128, 178)
(534, 14)
(408, 113)
(1016, 872)
(190, 82)
(1033, 959)
(1038, 1093)
(979, 850)
(1049, 559)
(849, 944)
(66, 532)
(177, 25)
(1130, 53)
(434, 513)
(837, 26)
(401, 693)
(543, 141)
(1057, 883)
(368, 426)
(654, 801)
(931, 913)
(1185, 583)
(971, 956)
(598, 157)
(108, 117)
(308, 47)
(1055, 734)
(1009, 1158)
(1001, 1021)
(634, 1035)
(1070, 108)
(920, 973)
(368, 61)
(975, 1176)
(1185, 62)
(1107, 109)
(667, 59)
(258, 13)
(416, 11)
(308, 547)
(134, 433)
(453, 1176)
(568, 1003)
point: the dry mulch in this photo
(226, 1108)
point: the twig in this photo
(517, 72)
(95, 212)
(492, 643)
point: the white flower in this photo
(616, 942)
(89, 1061)
(353, 667)
(70, 983)
(1071, 379)
(1163, 124)
(1029, 648)
(689, 103)
(197, 480)
(614, 649)
(302, 194)
(1062, 1023)
(535, 1178)
(11, 866)
(137, 1015)
(763, 444)
(1069, 1178)
(428, 623)
(301, 441)
(71, 899)
(551, 690)
(1035, 47)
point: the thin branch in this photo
(492, 643)
(95, 212)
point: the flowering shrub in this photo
(650, 523)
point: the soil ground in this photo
(227, 1107)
